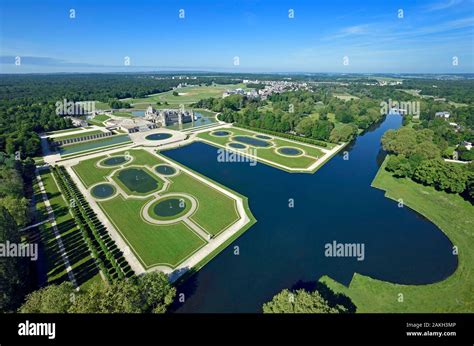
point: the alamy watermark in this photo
(8, 249)
(401, 107)
(249, 156)
(336, 249)
(66, 107)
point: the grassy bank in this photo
(455, 217)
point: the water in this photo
(201, 121)
(138, 113)
(286, 245)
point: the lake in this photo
(285, 248)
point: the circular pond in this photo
(114, 161)
(263, 137)
(290, 151)
(237, 145)
(252, 141)
(169, 208)
(158, 136)
(102, 191)
(165, 170)
(220, 133)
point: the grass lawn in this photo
(63, 131)
(205, 112)
(455, 217)
(94, 144)
(81, 262)
(90, 174)
(123, 114)
(77, 135)
(137, 181)
(160, 244)
(102, 105)
(101, 117)
(345, 96)
(216, 211)
(312, 153)
(187, 94)
(153, 244)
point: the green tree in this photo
(50, 299)
(157, 292)
(17, 207)
(305, 127)
(301, 301)
(322, 130)
(343, 133)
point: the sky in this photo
(365, 36)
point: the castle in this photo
(166, 117)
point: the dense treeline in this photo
(14, 214)
(461, 90)
(414, 154)
(148, 293)
(28, 89)
(312, 115)
(321, 299)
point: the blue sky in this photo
(260, 33)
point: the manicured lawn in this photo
(312, 153)
(90, 174)
(63, 131)
(123, 114)
(455, 217)
(160, 244)
(101, 117)
(205, 112)
(137, 181)
(154, 244)
(77, 135)
(216, 211)
(345, 96)
(102, 105)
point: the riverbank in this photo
(455, 217)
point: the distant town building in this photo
(444, 115)
(467, 144)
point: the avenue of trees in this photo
(148, 293)
(414, 154)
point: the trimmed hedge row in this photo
(284, 135)
(107, 255)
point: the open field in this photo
(155, 243)
(187, 94)
(455, 217)
(306, 154)
(345, 96)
